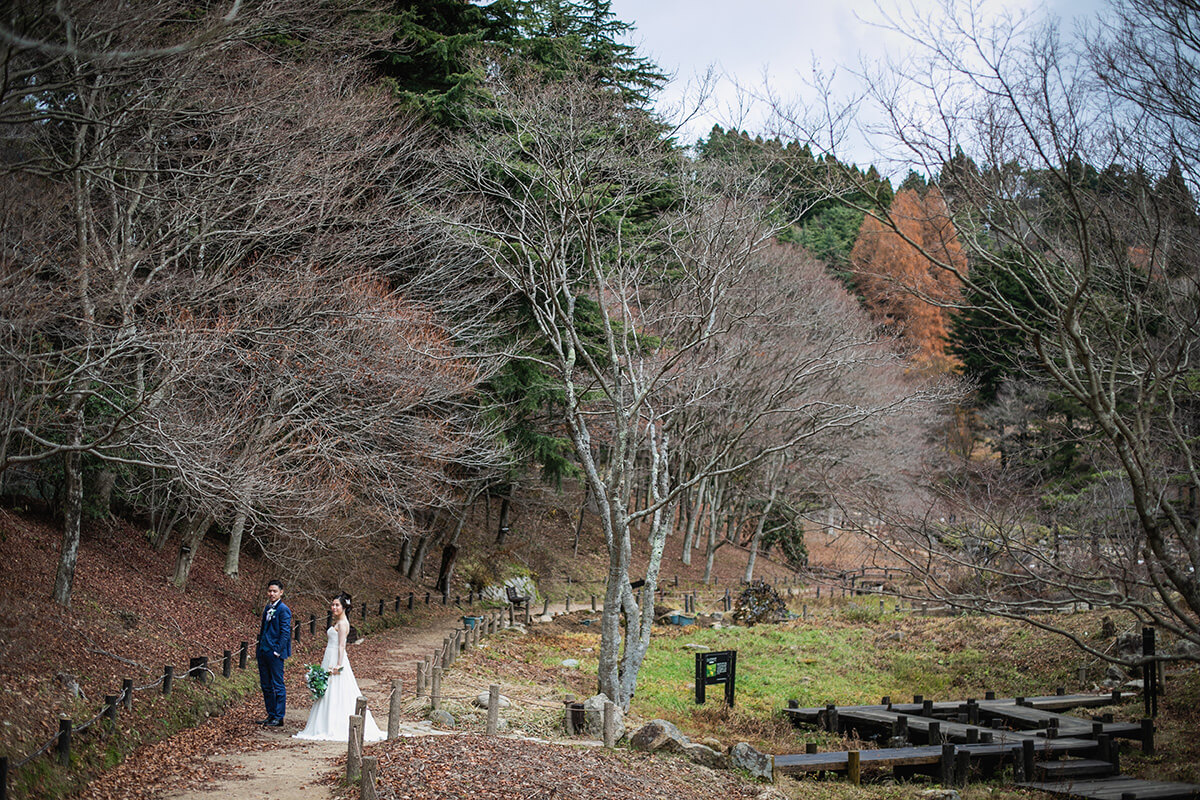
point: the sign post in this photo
(719, 666)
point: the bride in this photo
(329, 718)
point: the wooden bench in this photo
(516, 600)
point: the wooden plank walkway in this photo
(1054, 702)
(1116, 788)
(835, 761)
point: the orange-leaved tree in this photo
(896, 273)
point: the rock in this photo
(706, 756)
(71, 684)
(770, 794)
(1134, 686)
(658, 734)
(1187, 649)
(894, 636)
(442, 718)
(1116, 674)
(940, 794)
(759, 765)
(709, 741)
(593, 717)
(1129, 644)
(696, 647)
(481, 700)
(571, 663)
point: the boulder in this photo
(571, 663)
(1187, 649)
(1116, 674)
(481, 700)
(770, 793)
(442, 719)
(658, 734)
(593, 717)
(706, 757)
(759, 765)
(940, 794)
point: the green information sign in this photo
(717, 667)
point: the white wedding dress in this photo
(329, 718)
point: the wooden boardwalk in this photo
(1068, 755)
(1118, 788)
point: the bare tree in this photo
(1073, 193)
(215, 261)
(626, 254)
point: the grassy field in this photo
(843, 653)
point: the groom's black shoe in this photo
(266, 721)
(275, 723)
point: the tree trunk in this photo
(502, 528)
(404, 562)
(418, 560)
(102, 490)
(193, 535)
(757, 537)
(587, 490)
(233, 554)
(446, 570)
(64, 580)
(689, 539)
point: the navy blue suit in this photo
(274, 645)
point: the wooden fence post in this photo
(493, 709)
(435, 696)
(370, 768)
(245, 649)
(110, 707)
(227, 664)
(569, 721)
(421, 678)
(354, 749)
(168, 676)
(127, 693)
(853, 772)
(947, 764)
(610, 724)
(64, 742)
(962, 766)
(393, 729)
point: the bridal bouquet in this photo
(317, 679)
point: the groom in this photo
(274, 645)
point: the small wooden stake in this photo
(853, 772)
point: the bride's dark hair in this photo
(344, 599)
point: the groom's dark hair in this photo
(275, 582)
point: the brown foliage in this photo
(896, 268)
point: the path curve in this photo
(268, 764)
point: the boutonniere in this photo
(270, 614)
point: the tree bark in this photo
(68, 556)
(233, 554)
(193, 536)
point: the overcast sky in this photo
(781, 38)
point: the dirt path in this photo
(257, 763)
